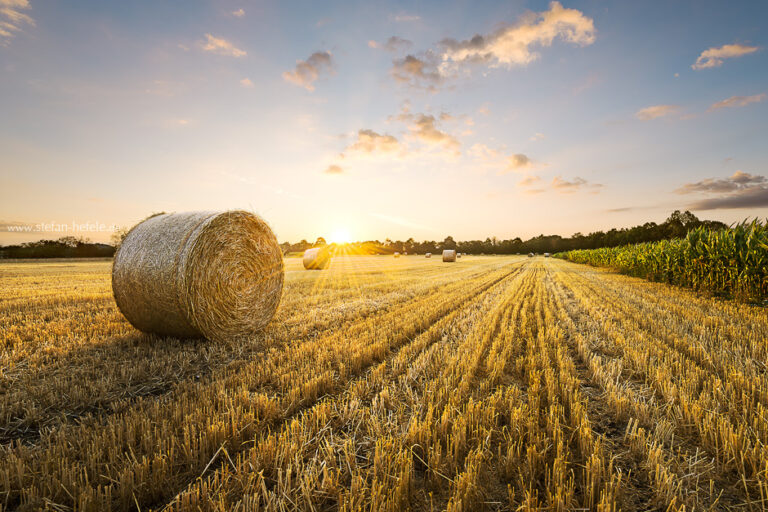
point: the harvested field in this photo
(496, 383)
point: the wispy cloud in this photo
(393, 44)
(738, 101)
(370, 143)
(419, 72)
(308, 71)
(246, 82)
(405, 18)
(239, 13)
(333, 169)
(12, 19)
(656, 111)
(569, 186)
(221, 46)
(714, 57)
(423, 128)
(513, 45)
(518, 162)
(740, 190)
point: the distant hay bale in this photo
(428, 255)
(397, 255)
(317, 258)
(449, 256)
(547, 255)
(458, 255)
(217, 275)
(530, 255)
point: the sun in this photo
(340, 236)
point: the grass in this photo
(493, 383)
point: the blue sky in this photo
(561, 118)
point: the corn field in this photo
(493, 383)
(729, 263)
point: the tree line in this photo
(676, 226)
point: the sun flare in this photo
(340, 236)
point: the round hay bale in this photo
(317, 258)
(547, 255)
(428, 255)
(217, 275)
(449, 256)
(397, 255)
(530, 255)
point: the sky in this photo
(381, 120)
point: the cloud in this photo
(740, 190)
(246, 82)
(512, 45)
(393, 44)
(239, 13)
(417, 72)
(518, 162)
(371, 143)
(529, 181)
(536, 136)
(655, 111)
(738, 181)
(12, 19)
(567, 187)
(308, 71)
(221, 47)
(405, 18)
(738, 101)
(423, 128)
(333, 169)
(713, 57)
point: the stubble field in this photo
(495, 383)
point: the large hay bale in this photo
(428, 255)
(449, 255)
(217, 275)
(317, 258)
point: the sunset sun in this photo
(340, 236)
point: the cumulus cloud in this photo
(566, 187)
(713, 57)
(333, 169)
(12, 19)
(423, 128)
(371, 143)
(513, 44)
(740, 190)
(655, 111)
(393, 44)
(308, 71)
(738, 101)
(221, 46)
(518, 162)
(419, 72)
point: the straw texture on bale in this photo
(428, 255)
(317, 258)
(217, 275)
(449, 255)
